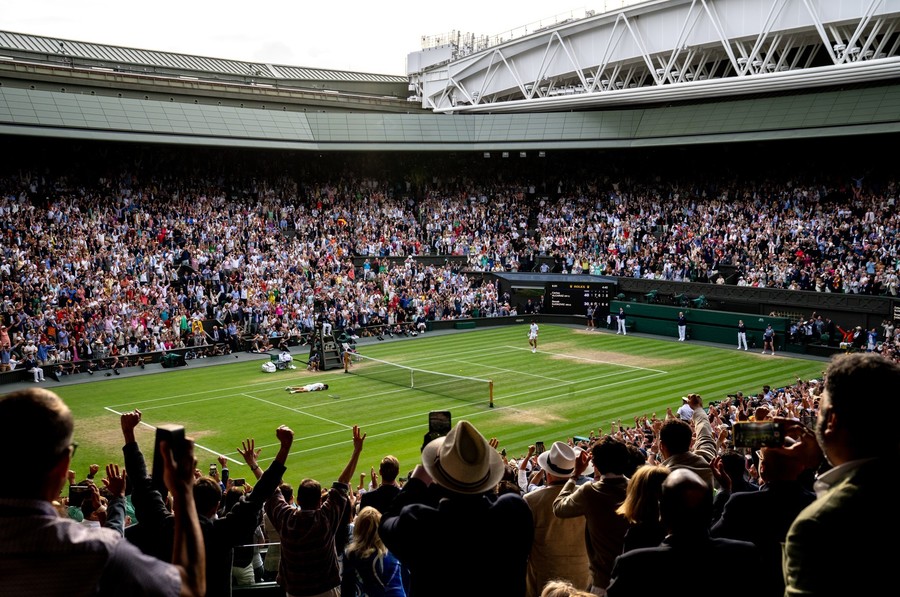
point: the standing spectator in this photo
(368, 567)
(837, 531)
(465, 525)
(221, 533)
(641, 507)
(382, 496)
(684, 509)
(683, 447)
(682, 326)
(74, 559)
(742, 334)
(685, 412)
(559, 550)
(763, 517)
(597, 502)
(309, 561)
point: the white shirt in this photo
(534, 331)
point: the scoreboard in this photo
(573, 298)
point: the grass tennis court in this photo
(577, 381)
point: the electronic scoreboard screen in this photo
(573, 298)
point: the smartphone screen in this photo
(758, 434)
(439, 422)
(212, 469)
(539, 447)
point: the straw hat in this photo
(463, 461)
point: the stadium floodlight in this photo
(839, 47)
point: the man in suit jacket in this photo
(597, 502)
(684, 509)
(836, 546)
(559, 550)
(763, 517)
(382, 496)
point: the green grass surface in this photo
(577, 381)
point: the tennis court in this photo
(576, 382)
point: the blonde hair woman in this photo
(641, 507)
(369, 568)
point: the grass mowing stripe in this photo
(576, 381)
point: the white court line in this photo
(264, 386)
(196, 445)
(298, 411)
(512, 371)
(569, 356)
(473, 414)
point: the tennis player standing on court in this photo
(532, 335)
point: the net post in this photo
(491, 393)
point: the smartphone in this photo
(758, 434)
(439, 422)
(539, 447)
(213, 469)
(239, 482)
(78, 494)
(174, 436)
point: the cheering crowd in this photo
(616, 514)
(134, 263)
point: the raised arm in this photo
(188, 551)
(358, 440)
(115, 509)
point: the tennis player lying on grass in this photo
(310, 387)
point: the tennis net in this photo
(446, 384)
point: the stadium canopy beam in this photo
(660, 51)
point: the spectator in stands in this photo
(598, 502)
(309, 563)
(838, 531)
(30, 364)
(381, 497)
(731, 475)
(685, 507)
(74, 558)
(368, 568)
(683, 447)
(763, 517)
(562, 588)
(471, 529)
(273, 538)
(559, 550)
(221, 533)
(641, 507)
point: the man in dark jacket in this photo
(458, 544)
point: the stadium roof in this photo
(152, 61)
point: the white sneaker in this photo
(534, 350)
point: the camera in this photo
(758, 434)
(239, 482)
(173, 435)
(438, 426)
(539, 447)
(77, 495)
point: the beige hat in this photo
(559, 460)
(463, 461)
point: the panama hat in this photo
(559, 460)
(463, 461)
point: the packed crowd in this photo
(781, 511)
(135, 263)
